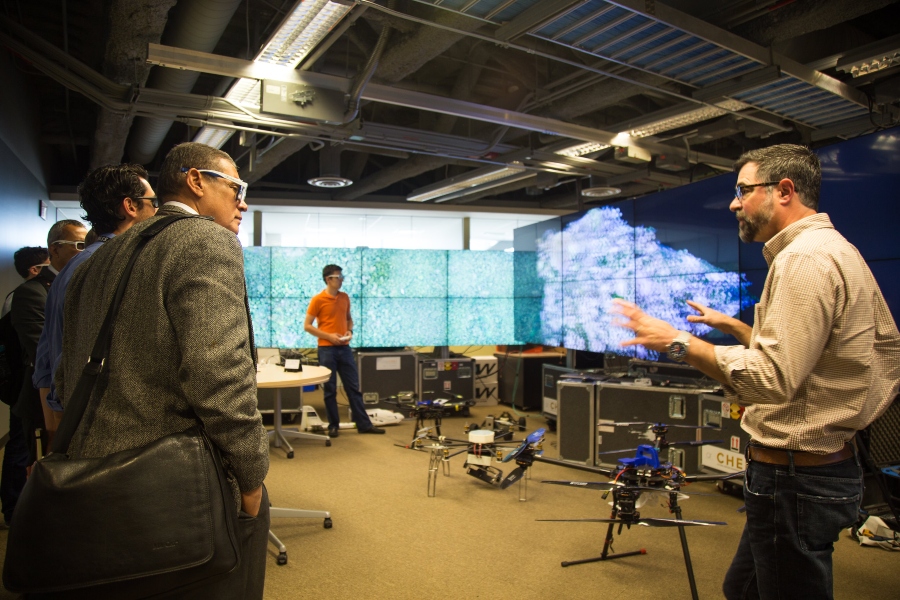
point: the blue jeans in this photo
(794, 516)
(340, 360)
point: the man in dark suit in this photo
(182, 350)
(64, 240)
(30, 262)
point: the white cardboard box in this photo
(486, 393)
(485, 368)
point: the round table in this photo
(274, 377)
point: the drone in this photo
(482, 450)
(429, 408)
(633, 479)
(502, 426)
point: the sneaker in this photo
(333, 432)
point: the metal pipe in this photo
(199, 26)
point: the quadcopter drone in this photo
(633, 480)
(434, 409)
(482, 450)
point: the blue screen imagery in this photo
(608, 253)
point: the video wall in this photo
(657, 252)
(397, 297)
(557, 287)
(663, 249)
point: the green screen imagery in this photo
(397, 297)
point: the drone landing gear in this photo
(437, 457)
(607, 544)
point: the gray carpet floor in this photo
(390, 540)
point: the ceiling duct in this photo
(198, 26)
(330, 170)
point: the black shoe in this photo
(372, 430)
(333, 432)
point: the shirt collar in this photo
(783, 238)
(181, 206)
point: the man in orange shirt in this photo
(330, 308)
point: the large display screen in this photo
(397, 297)
(649, 252)
(663, 249)
(557, 287)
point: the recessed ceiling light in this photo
(601, 192)
(329, 181)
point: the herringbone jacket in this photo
(181, 351)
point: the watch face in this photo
(677, 350)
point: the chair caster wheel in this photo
(327, 443)
(290, 455)
(282, 558)
(328, 523)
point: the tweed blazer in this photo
(181, 351)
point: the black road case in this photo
(384, 374)
(628, 402)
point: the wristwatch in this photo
(678, 349)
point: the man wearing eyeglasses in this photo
(330, 309)
(821, 362)
(182, 352)
(27, 313)
(114, 197)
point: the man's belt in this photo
(773, 456)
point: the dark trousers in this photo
(15, 463)
(794, 515)
(247, 581)
(340, 360)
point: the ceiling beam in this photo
(233, 67)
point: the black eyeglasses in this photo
(78, 245)
(740, 189)
(153, 200)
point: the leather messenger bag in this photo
(138, 523)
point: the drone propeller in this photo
(691, 443)
(532, 439)
(633, 423)
(605, 486)
(646, 521)
(693, 478)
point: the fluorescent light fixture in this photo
(475, 178)
(213, 136)
(871, 64)
(304, 27)
(871, 58)
(582, 149)
(687, 118)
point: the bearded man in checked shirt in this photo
(821, 362)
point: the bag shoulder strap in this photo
(81, 395)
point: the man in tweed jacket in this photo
(182, 350)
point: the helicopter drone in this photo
(633, 479)
(481, 450)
